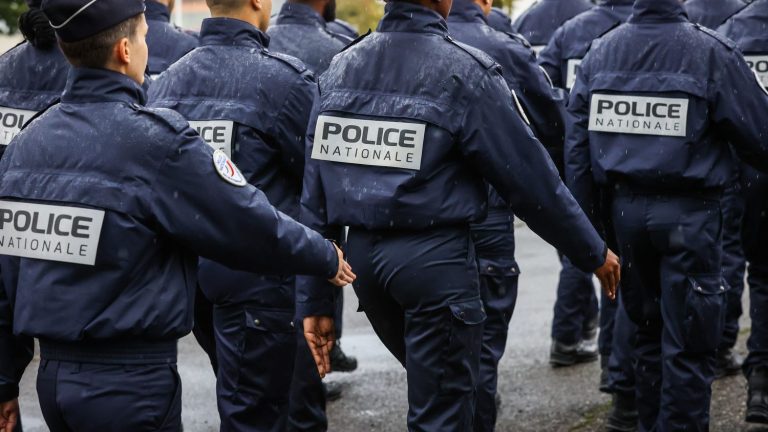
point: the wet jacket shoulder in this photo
(166, 42)
(301, 32)
(749, 30)
(500, 21)
(154, 196)
(539, 22)
(31, 79)
(712, 13)
(572, 40)
(688, 88)
(261, 99)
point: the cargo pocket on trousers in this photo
(269, 351)
(462, 355)
(498, 277)
(704, 312)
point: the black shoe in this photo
(757, 396)
(568, 355)
(332, 390)
(589, 333)
(727, 363)
(341, 362)
(605, 381)
(623, 417)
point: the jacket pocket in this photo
(704, 312)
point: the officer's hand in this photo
(609, 274)
(344, 276)
(320, 335)
(9, 415)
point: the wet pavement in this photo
(535, 397)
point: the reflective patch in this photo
(520, 108)
(638, 115)
(570, 76)
(538, 48)
(369, 142)
(227, 169)
(51, 233)
(11, 122)
(217, 133)
(546, 75)
(759, 64)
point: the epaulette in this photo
(605, 32)
(168, 117)
(720, 38)
(484, 59)
(519, 38)
(41, 112)
(357, 41)
(291, 61)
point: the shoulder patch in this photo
(720, 38)
(291, 61)
(357, 41)
(519, 38)
(484, 59)
(227, 169)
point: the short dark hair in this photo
(94, 52)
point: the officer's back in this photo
(166, 43)
(712, 13)
(539, 22)
(32, 74)
(572, 40)
(301, 32)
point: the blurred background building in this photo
(363, 14)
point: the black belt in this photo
(125, 352)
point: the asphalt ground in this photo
(535, 397)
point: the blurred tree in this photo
(9, 14)
(363, 14)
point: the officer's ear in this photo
(263, 10)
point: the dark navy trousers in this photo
(621, 371)
(495, 247)
(734, 263)
(307, 397)
(576, 307)
(91, 397)
(673, 290)
(420, 291)
(755, 239)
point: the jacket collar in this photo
(657, 11)
(413, 18)
(232, 32)
(101, 85)
(297, 13)
(157, 12)
(466, 11)
(609, 3)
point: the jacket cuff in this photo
(333, 261)
(314, 297)
(8, 392)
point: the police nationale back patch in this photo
(217, 133)
(369, 142)
(759, 65)
(52, 233)
(227, 169)
(639, 115)
(11, 121)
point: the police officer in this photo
(220, 88)
(539, 22)
(747, 30)
(300, 30)
(32, 74)
(651, 132)
(712, 13)
(499, 20)
(166, 43)
(105, 207)
(402, 137)
(343, 28)
(494, 238)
